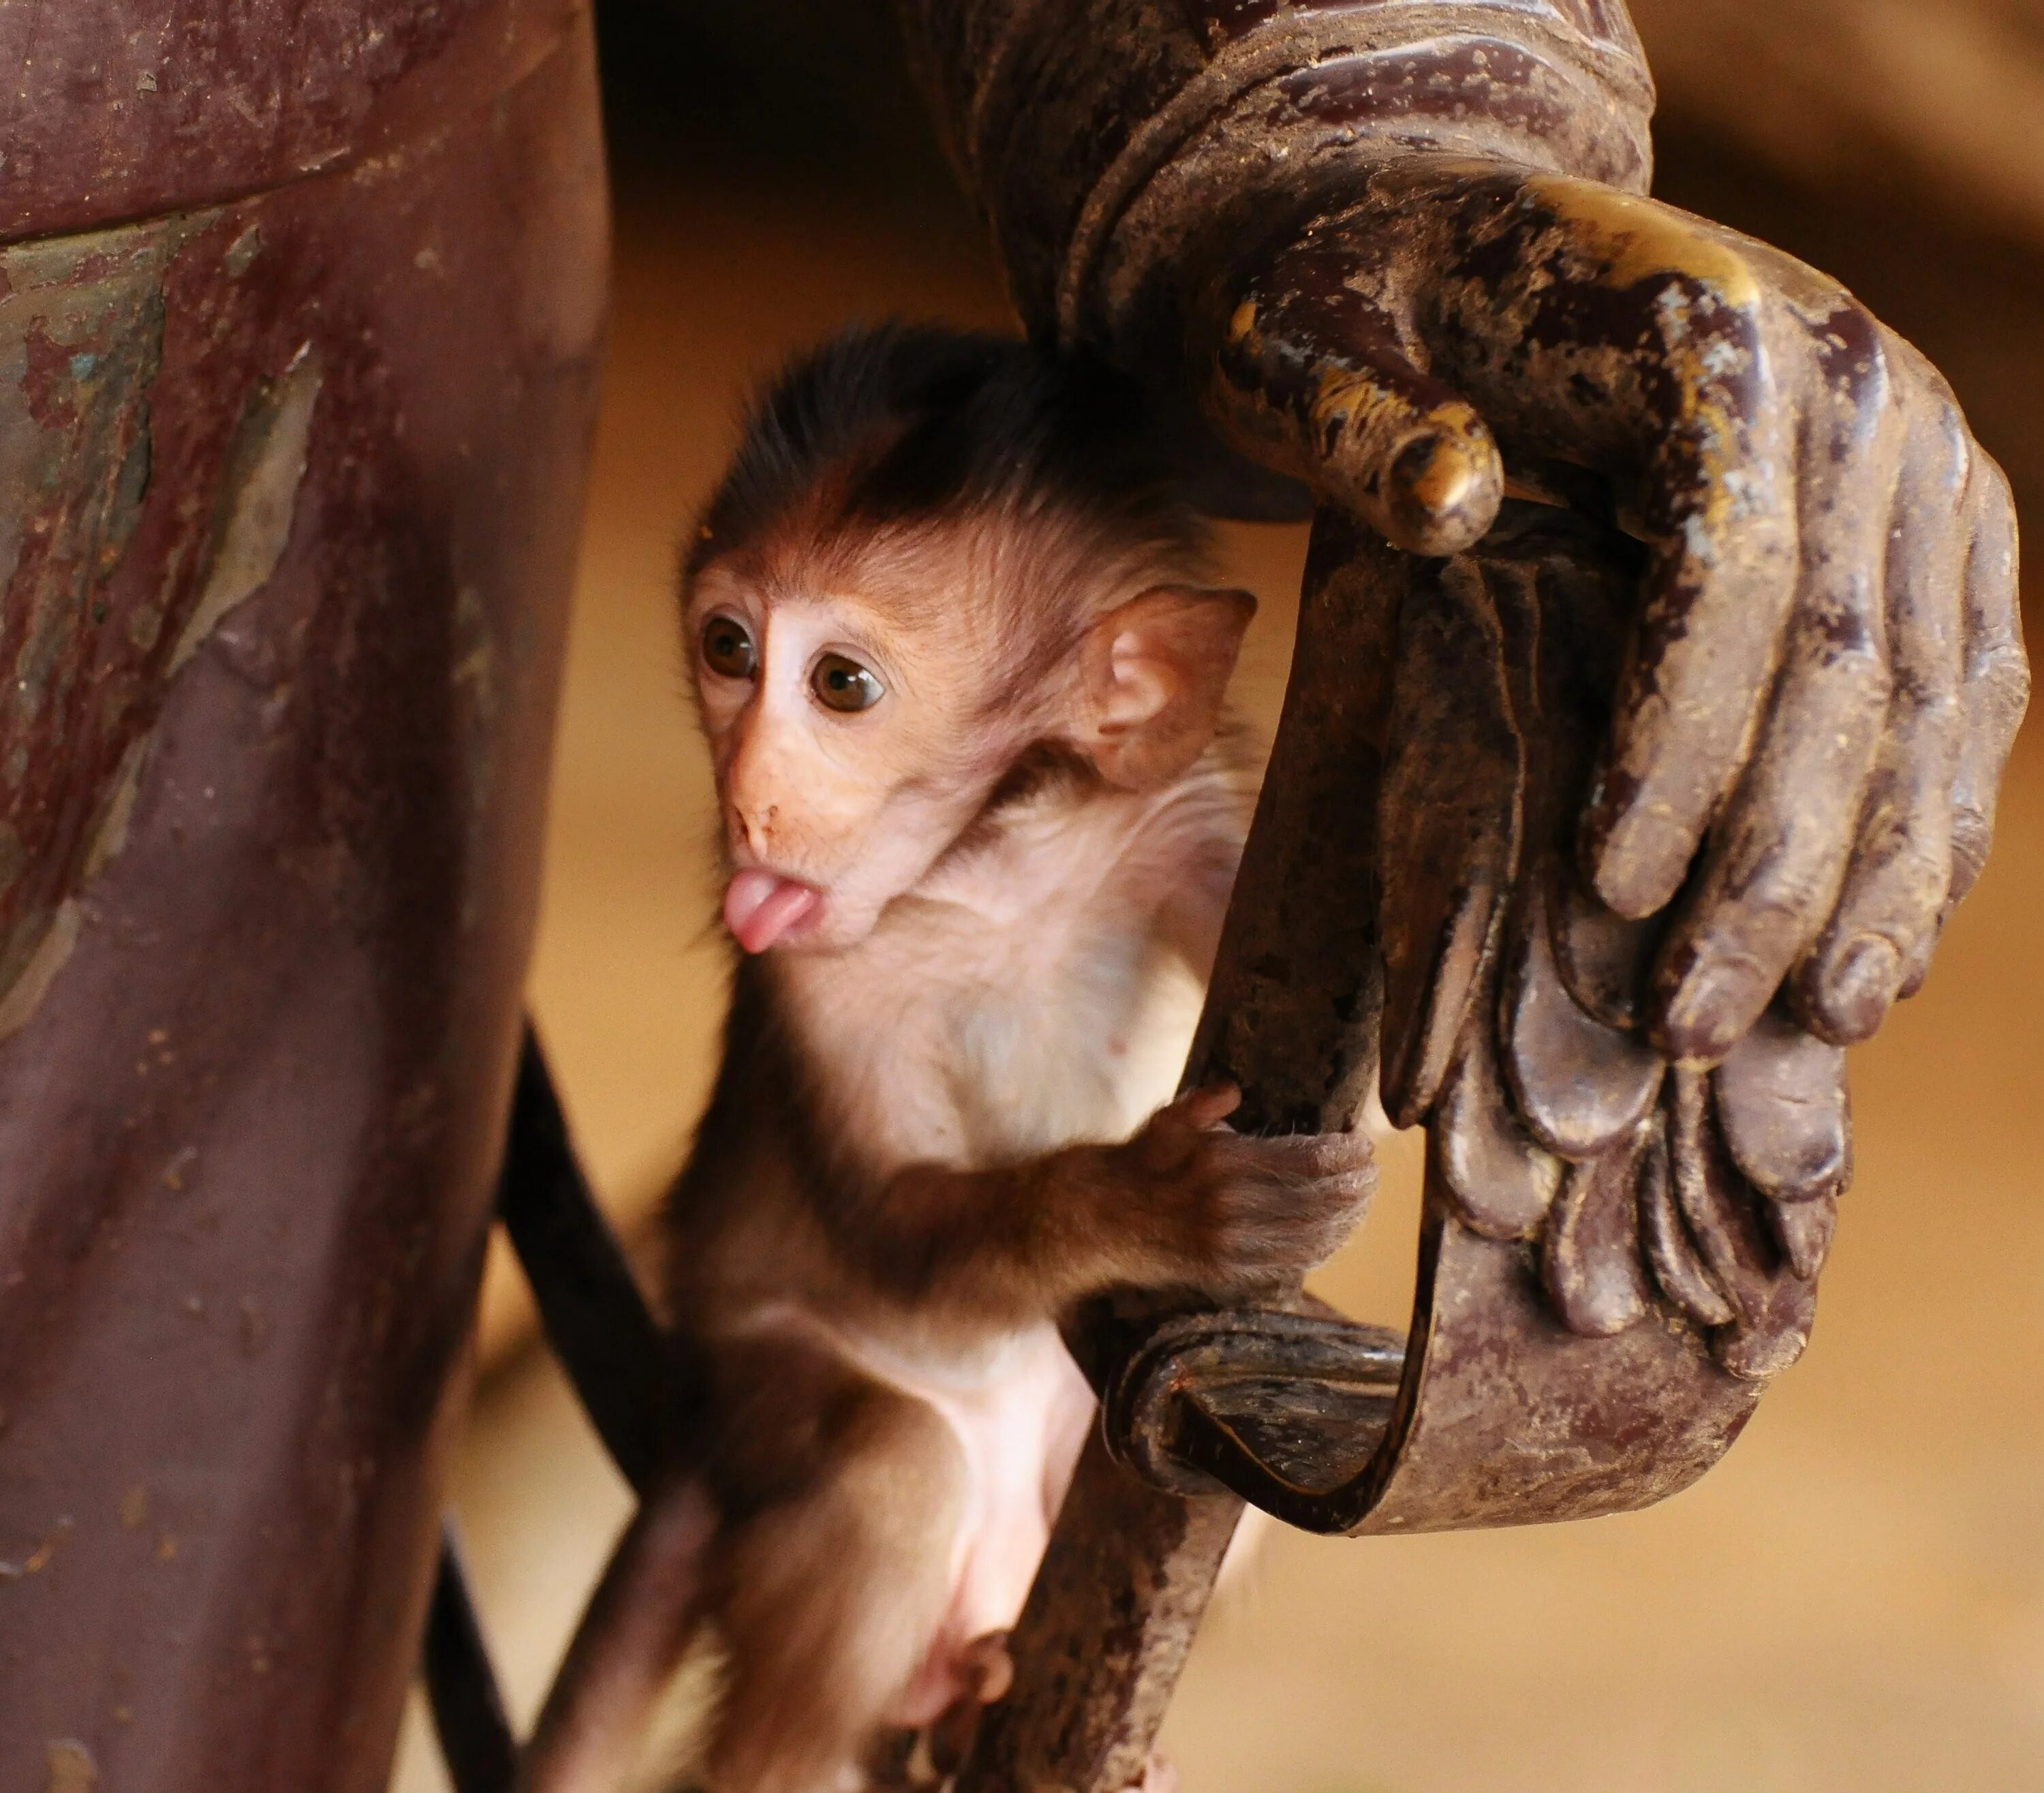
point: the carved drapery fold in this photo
(1098, 135)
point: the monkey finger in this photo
(1333, 1154)
(1206, 1107)
(1887, 910)
(1172, 1138)
(989, 1666)
(1257, 1242)
(1310, 374)
(1286, 1202)
(1279, 1160)
(1297, 1180)
(1776, 854)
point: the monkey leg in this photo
(638, 1624)
(830, 1600)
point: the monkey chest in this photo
(1085, 1048)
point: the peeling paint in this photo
(84, 358)
(71, 1767)
(266, 467)
(111, 836)
(241, 253)
(20, 1000)
(82, 324)
(52, 953)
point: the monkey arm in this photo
(1186, 1202)
(1402, 254)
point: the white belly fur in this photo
(1021, 1417)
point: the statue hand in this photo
(1825, 670)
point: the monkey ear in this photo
(1156, 670)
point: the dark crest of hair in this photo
(922, 422)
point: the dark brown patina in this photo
(300, 309)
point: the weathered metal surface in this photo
(1660, 831)
(1094, 131)
(1277, 1405)
(1139, 1563)
(1504, 1417)
(291, 484)
(152, 106)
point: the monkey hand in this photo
(1230, 1213)
(1825, 670)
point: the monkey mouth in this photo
(762, 908)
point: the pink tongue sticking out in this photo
(760, 907)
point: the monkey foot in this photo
(988, 1671)
(1159, 1776)
(925, 1759)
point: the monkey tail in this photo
(620, 1673)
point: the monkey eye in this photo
(844, 684)
(727, 649)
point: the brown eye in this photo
(844, 684)
(727, 649)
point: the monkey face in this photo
(862, 710)
(849, 752)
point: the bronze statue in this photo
(1658, 665)
(1656, 834)
(301, 311)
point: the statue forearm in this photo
(1099, 135)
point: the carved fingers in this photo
(1642, 1186)
(1603, 330)
(1823, 669)
(1994, 688)
(1777, 851)
(1449, 817)
(1659, 832)
(1670, 384)
(1961, 685)
(1314, 365)
(1787, 762)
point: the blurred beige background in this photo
(1855, 1599)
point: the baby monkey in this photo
(963, 688)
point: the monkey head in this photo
(938, 562)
